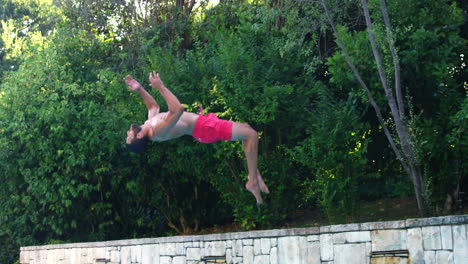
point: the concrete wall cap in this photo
(409, 223)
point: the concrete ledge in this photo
(443, 220)
(410, 223)
(383, 225)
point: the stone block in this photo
(313, 253)
(247, 242)
(188, 244)
(415, 245)
(324, 229)
(344, 228)
(292, 250)
(429, 257)
(36, 256)
(265, 246)
(446, 237)
(87, 255)
(351, 237)
(193, 254)
(247, 252)
(99, 253)
(164, 260)
(444, 256)
(391, 239)
(125, 255)
(460, 243)
(274, 255)
(178, 260)
(167, 249)
(229, 255)
(326, 247)
(257, 247)
(262, 259)
(237, 260)
(135, 254)
(313, 238)
(368, 250)
(24, 257)
(75, 256)
(114, 255)
(274, 242)
(215, 248)
(149, 254)
(179, 249)
(229, 244)
(54, 255)
(383, 225)
(350, 253)
(238, 248)
(431, 237)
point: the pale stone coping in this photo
(401, 224)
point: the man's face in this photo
(132, 132)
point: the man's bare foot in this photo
(255, 190)
(261, 183)
(200, 109)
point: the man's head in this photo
(135, 143)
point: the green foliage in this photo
(334, 153)
(435, 87)
(64, 110)
(429, 47)
(243, 79)
(24, 24)
(58, 150)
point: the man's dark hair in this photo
(137, 145)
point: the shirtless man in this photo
(204, 128)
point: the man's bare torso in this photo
(184, 126)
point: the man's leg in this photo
(249, 138)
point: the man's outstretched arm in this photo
(173, 103)
(174, 106)
(153, 107)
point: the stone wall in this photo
(441, 240)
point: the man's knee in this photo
(243, 131)
(252, 133)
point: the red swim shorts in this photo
(209, 128)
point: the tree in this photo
(401, 140)
(23, 23)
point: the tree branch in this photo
(378, 60)
(363, 84)
(401, 128)
(396, 60)
(190, 7)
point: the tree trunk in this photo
(406, 153)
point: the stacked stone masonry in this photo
(439, 240)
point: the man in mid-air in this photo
(204, 128)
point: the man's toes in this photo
(255, 190)
(264, 188)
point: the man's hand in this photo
(132, 84)
(156, 82)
